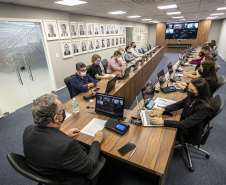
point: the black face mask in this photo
(191, 94)
(201, 54)
(135, 46)
(64, 116)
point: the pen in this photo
(162, 100)
(132, 153)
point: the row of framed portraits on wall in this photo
(139, 30)
(81, 46)
(80, 29)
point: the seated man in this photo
(122, 58)
(212, 50)
(53, 153)
(114, 64)
(80, 81)
(134, 51)
(204, 51)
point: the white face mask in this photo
(122, 52)
(129, 50)
(83, 73)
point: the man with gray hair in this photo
(53, 153)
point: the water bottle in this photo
(75, 105)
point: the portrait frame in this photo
(124, 40)
(102, 30)
(96, 29)
(113, 42)
(77, 42)
(99, 46)
(74, 34)
(138, 38)
(88, 27)
(81, 29)
(117, 41)
(121, 41)
(108, 44)
(63, 44)
(82, 51)
(103, 45)
(55, 34)
(112, 29)
(124, 29)
(120, 29)
(116, 30)
(107, 29)
(66, 34)
(93, 45)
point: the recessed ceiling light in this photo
(70, 2)
(154, 21)
(217, 14)
(182, 19)
(179, 17)
(172, 13)
(222, 8)
(117, 12)
(212, 17)
(146, 19)
(167, 7)
(134, 16)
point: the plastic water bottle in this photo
(75, 105)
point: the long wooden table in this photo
(155, 145)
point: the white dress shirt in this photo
(135, 53)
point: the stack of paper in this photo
(161, 103)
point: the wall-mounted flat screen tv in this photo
(181, 30)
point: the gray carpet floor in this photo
(210, 171)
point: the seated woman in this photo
(128, 55)
(197, 108)
(95, 71)
(114, 64)
(208, 72)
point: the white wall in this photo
(152, 34)
(221, 46)
(215, 29)
(65, 67)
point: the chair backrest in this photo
(149, 46)
(68, 84)
(218, 101)
(220, 82)
(18, 162)
(87, 69)
(142, 49)
(217, 67)
(104, 62)
(139, 50)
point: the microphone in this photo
(90, 96)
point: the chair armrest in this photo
(210, 125)
(99, 166)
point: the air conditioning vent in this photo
(141, 2)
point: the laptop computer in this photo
(125, 75)
(111, 85)
(111, 106)
(136, 65)
(148, 92)
(145, 117)
(161, 78)
(170, 68)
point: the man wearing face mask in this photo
(95, 70)
(53, 153)
(114, 64)
(80, 81)
(204, 52)
(134, 51)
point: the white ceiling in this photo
(190, 9)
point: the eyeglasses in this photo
(62, 111)
(83, 71)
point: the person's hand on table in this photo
(189, 60)
(99, 136)
(73, 132)
(158, 112)
(178, 85)
(185, 73)
(183, 83)
(157, 121)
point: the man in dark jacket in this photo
(55, 154)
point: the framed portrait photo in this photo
(64, 29)
(76, 47)
(108, 42)
(123, 40)
(103, 43)
(66, 49)
(96, 29)
(102, 30)
(116, 30)
(97, 44)
(108, 28)
(74, 30)
(120, 29)
(91, 45)
(112, 29)
(81, 29)
(51, 30)
(124, 29)
(120, 41)
(112, 42)
(83, 46)
(116, 41)
(89, 29)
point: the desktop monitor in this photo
(111, 85)
(161, 77)
(112, 106)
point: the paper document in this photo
(67, 115)
(181, 75)
(113, 75)
(161, 103)
(93, 126)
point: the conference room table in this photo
(154, 145)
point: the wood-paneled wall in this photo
(202, 36)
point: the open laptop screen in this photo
(111, 85)
(161, 77)
(148, 90)
(170, 66)
(112, 105)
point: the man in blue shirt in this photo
(80, 81)
(212, 50)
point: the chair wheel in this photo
(191, 169)
(207, 156)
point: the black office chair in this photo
(18, 162)
(217, 67)
(202, 132)
(139, 51)
(87, 69)
(68, 85)
(142, 50)
(150, 46)
(220, 82)
(105, 64)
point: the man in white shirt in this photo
(134, 51)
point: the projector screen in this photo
(181, 31)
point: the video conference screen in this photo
(180, 31)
